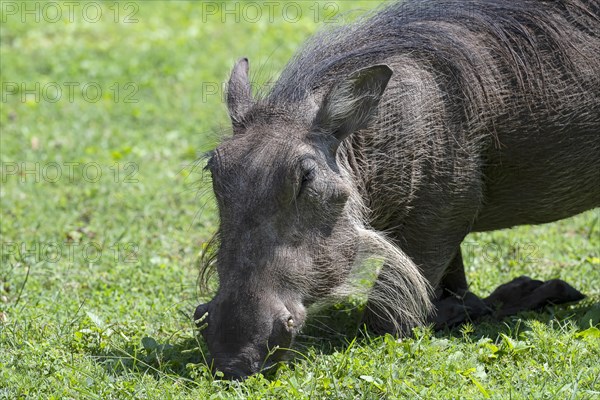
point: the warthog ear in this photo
(239, 94)
(351, 103)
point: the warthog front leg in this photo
(524, 293)
(456, 304)
(454, 310)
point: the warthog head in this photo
(290, 215)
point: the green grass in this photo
(98, 273)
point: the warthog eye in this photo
(309, 175)
(309, 172)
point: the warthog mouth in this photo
(240, 372)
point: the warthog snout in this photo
(248, 339)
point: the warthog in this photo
(394, 137)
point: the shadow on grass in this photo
(156, 359)
(581, 315)
(333, 329)
(329, 330)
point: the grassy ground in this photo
(103, 220)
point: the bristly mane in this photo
(427, 29)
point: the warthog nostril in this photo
(235, 374)
(238, 370)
